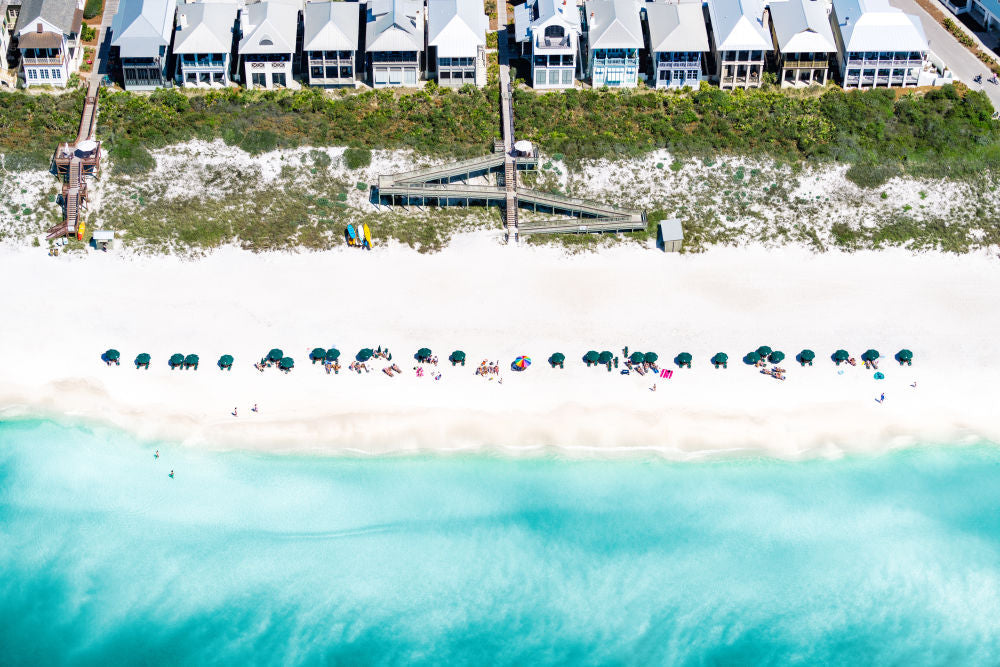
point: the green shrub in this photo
(356, 158)
(87, 33)
(361, 186)
(871, 175)
(129, 157)
(676, 165)
(92, 8)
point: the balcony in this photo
(202, 64)
(806, 64)
(553, 43)
(42, 61)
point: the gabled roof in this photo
(395, 25)
(614, 24)
(205, 27)
(456, 27)
(331, 26)
(739, 25)
(534, 15)
(60, 14)
(802, 26)
(141, 27)
(874, 25)
(676, 27)
(269, 27)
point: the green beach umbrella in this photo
(637, 358)
(176, 360)
(557, 358)
(365, 354)
(776, 357)
(226, 361)
(684, 359)
(879, 376)
(870, 355)
(651, 357)
(112, 355)
(424, 353)
(458, 357)
(191, 360)
(840, 356)
(591, 357)
(752, 358)
(764, 351)
(904, 356)
(286, 363)
(605, 357)
(806, 357)
(720, 358)
(332, 354)
(275, 355)
(142, 360)
(318, 354)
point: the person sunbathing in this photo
(396, 368)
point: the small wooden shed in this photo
(671, 235)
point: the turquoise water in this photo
(245, 559)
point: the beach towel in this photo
(666, 374)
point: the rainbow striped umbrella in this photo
(522, 362)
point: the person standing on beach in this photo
(234, 413)
(254, 408)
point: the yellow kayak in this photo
(81, 230)
(368, 235)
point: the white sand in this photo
(495, 302)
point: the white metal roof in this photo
(456, 27)
(395, 25)
(802, 26)
(874, 25)
(331, 26)
(739, 25)
(269, 27)
(141, 27)
(205, 27)
(534, 15)
(676, 27)
(614, 24)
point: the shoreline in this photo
(533, 301)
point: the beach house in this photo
(394, 42)
(740, 42)
(48, 37)
(203, 43)
(803, 41)
(985, 12)
(140, 37)
(8, 19)
(456, 42)
(678, 41)
(548, 32)
(877, 44)
(267, 43)
(613, 33)
(330, 42)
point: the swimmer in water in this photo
(171, 474)
(156, 454)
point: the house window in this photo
(56, 74)
(540, 77)
(346, 72)
(191, 77)
(444, 62)
(278, 79)
(217, 77)
(444, 75)
(396, 76)
(258, 79)
(331, 72)
(567, 77)
(470, 74)
(316, 72)
(664, 75)
(32, 74)
(410, 77)
(554, 32)
(44, 73)
(693, 74)
(381, 76)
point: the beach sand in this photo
(496, 302)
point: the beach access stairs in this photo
(74, 162)
(447, 184)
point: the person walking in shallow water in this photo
(156, 454)
(171, 474)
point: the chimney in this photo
(182, 20)
(38, 28)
